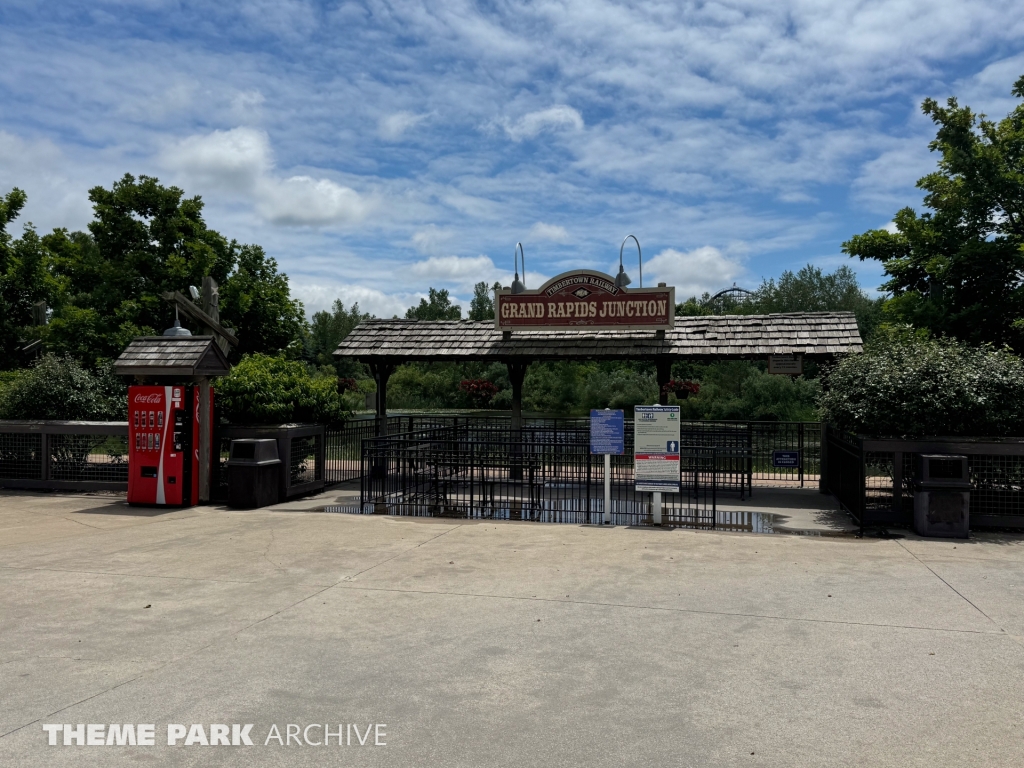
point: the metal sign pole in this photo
(607, 438)
(656, 507)
(607, 489)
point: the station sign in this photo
(656, 448)
(585, 300)
(787, 365)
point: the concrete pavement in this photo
(503, 644)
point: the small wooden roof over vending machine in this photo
(177, 356)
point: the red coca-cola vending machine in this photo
(163, 444)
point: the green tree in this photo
(144, 239)
(255, 300)
(957, 268)
(104, 285)
(740, 390)
(811, 290)
(24, 280)
(905, 384)
(694, 307)
(326, 331)
(482, 305)
(439, 307)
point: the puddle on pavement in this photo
(749, 522)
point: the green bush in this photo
(263, 389)
(907, 385)
(619, 388)
(59, 388)
(741, 390)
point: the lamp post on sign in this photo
(622, 279)
(518, 286)
(607, 429)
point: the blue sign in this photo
(672, 447)
(781, 459)
(606, 432)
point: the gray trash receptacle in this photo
(942, 496)
(253, 474)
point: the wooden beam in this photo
(194, 312)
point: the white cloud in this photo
(692, 272)
(554, 118)
(240, 161)
(235, 160)
(56, 186)
(461, 270)
(321, 296)
(431, 238)
(552, 232)
(888, 181)
(305, 201)
(393, 127)
(247, 104)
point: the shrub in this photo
(480, 392)
(619, 388)
(741, 390)
(59, 388)
(263, 389)
(907, 385)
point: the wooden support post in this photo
(664, 376)
(381, 373)
(205, 436)
(823, 459)
(516, 374)
(897, 484)
(209, 301)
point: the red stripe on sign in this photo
(652, 456)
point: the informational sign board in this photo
(607, 429)
(585, 299)
(786, 459)
(656, 448)
(787, 365)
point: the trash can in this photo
(253, 474)
(942, 496)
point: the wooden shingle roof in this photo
(812, 334)
(172, 356)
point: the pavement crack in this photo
(404, 551)
(266, 552)
(123, 575)
(955, 590)
(669, 609)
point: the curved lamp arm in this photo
(517, 285)
(638, 255)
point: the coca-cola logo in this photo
(154, 398)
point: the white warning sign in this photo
(656, 448)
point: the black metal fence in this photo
(473, 470)
(64, 455)
(873, 478)
(744, 456)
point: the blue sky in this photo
(376, 149)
